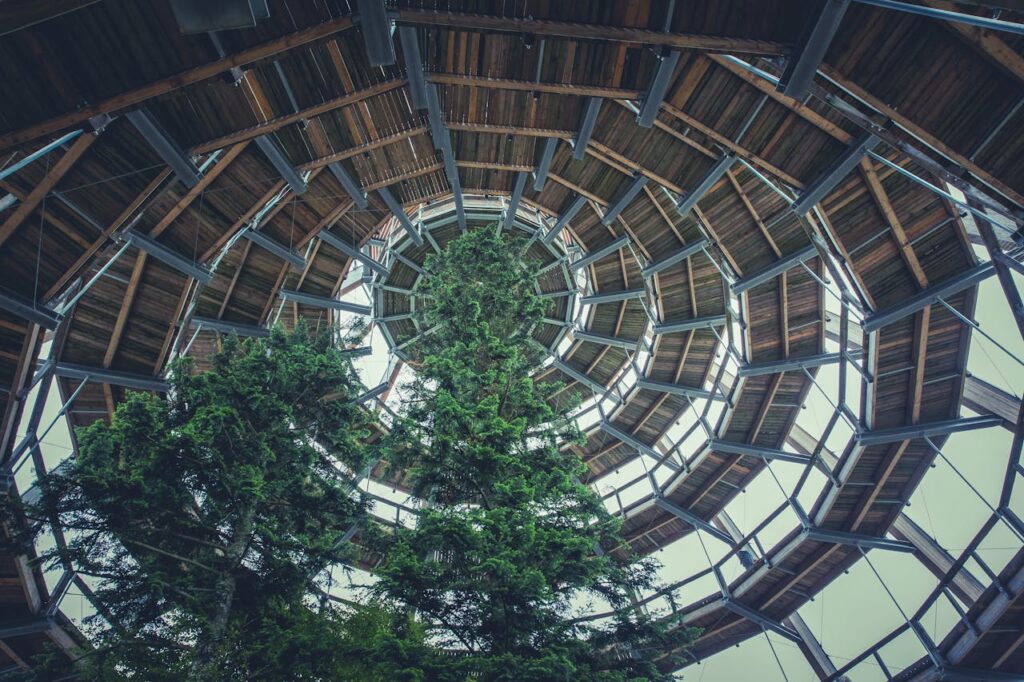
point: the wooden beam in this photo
(923, 135)
(126, 306)
(59, 169)
(163, 86)
(279, 122)
(987, 43)
(574, 89)
(899, 235)
(564, 29)
(209, 176)
(242, 220)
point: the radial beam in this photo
(413, 65)
(614, 341)
(613, 296)
(564, 219)
(578, 376)
(399, 213)
(348, 183)
(834, 174)
(692, 519)
(166, 255)
(638, 183)
(374, 392)
(932, 294)
(759, 451)
(540, 175)
(804, 62)
(281, 164)
(672, 259)
(703, 322)
(759, 618)
(926, 430)
(676, 389)
(774, 269)
(601, 253)
(376, 26)
(517, 196)
(225, 327)
(140, 382)
(857, 540)
(717, 171)
(353, 252)
(323, 302)
(166, 148)
(35, 313)
(652, 99)
(755, 369)
(629, 440)
(590, 111)
(279, 250)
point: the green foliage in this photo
(206, 513)
(512, 541)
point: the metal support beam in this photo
(759, 451)
(624, 199)
(376, 26)
(590, 111)
(614, 341)
(45, 317)
(805, 60)
(281, 164)
(540, 175)
(678, 256)
(793, 364)
(775, 269)
(26, 627)
(377, 390)
(651, 101)
(513, 204)
(564, 219)
(164, 254)
(692, 519)
(688, 200)
(629, 440)
(348, 184)
(836, 171)
(413, 65)
(704, 322)
(279, 250)
(579, 376)
(323, 302)
(141, 382)
(760, 619)
(226, 327)
(676, 389)
(166, 148)
(857, 540)
(613, 296)
(925, 298)
(601, 253)
(926, 430)
(399, 212)
(353, 252)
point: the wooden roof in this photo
(306, 81)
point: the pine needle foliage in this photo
(512, 544)
(205, 513)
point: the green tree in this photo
(511, 541)
(205, 515)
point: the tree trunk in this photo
(204, 664)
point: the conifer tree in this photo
(511, 542)
(204, 515)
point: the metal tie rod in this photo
(166, 255)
